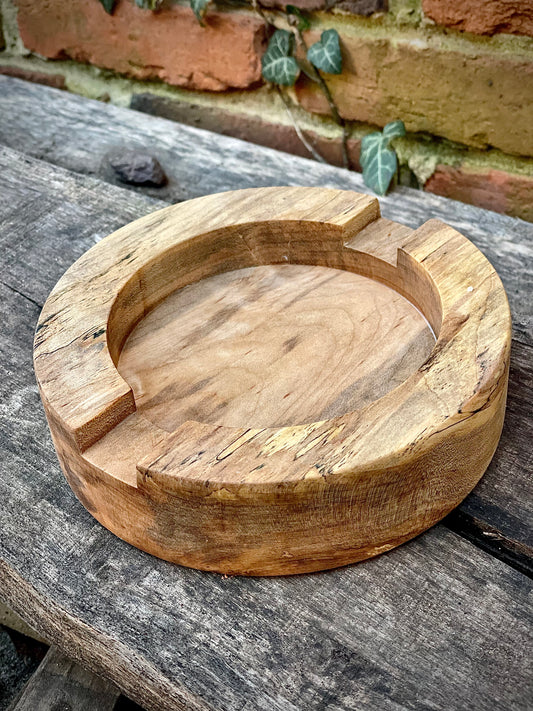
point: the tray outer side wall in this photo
(302, 525)
(337, 521)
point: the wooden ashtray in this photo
(250, 382)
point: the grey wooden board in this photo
(61, 684)
(78, 134)
(500, 509)
(434, 624)
(19, 659)
(41, 210)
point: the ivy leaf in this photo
(282, 42)
(303, 22)
(108, 5)
(148, 4)
(394, 129)
(366, 144)
(199, 7)
(326, 54)
(378, 161)
(279, 66)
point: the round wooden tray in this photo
(274, 381)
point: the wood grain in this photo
(436, 624)
(232, 497)
(60, 684)
(198, 162)
(497, 515)
(272, 346)
(44, 236)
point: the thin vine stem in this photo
(332, 106)
(312, 150)
(259, 10)
(317, 77)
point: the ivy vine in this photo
(278, 63)
(286, 57)
(378, 159)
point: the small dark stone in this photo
(137, 168)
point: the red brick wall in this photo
(420, 62)
(484, 17)
(169, 45)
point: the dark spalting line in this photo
(357, 635)
(70, 239)
(172, 391)
(290, 344)
(366, 392)
(518, 555)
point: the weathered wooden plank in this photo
(60, 683)
(409, 630)
(10, 619)
(78, 134)
(19, 659)
(405, 631)
(50, 216)
(498, 514)
(434, 625)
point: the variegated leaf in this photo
(394, 129)
(379, 162)
(326, 53)
(199, 7)
(278, 66)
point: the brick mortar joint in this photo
(93, 82)
(13, 42)
(423, 162)
(382, 27)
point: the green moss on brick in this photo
(405, 12)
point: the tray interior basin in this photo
(274, 381)
(272, 346)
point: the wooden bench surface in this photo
(441, 622)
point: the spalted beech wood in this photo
(276, 380)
